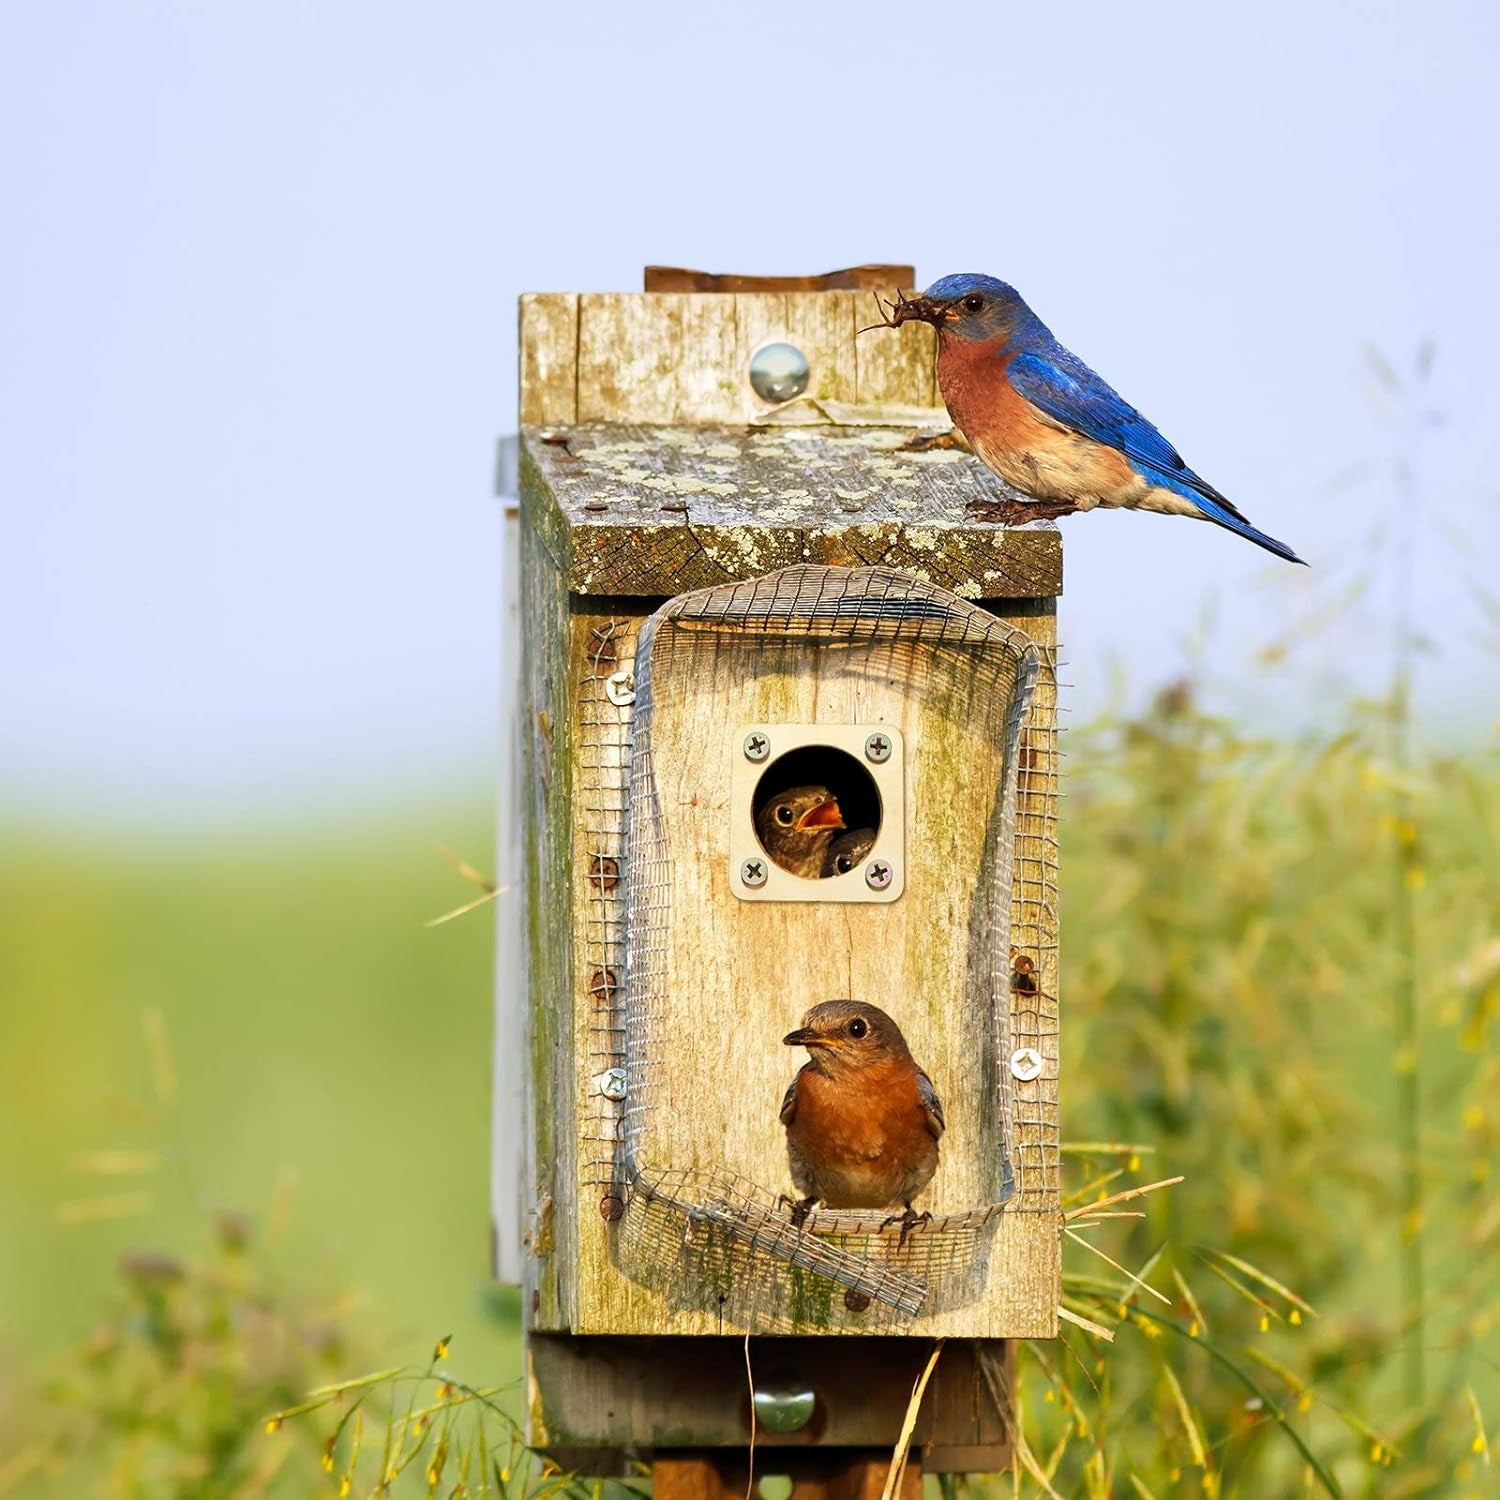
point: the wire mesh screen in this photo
(709, 983)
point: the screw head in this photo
(878, 874)
(753, 873)
(856, 1302)
(619, 688)
(878, 748)
(612, 1083)
(778, 372)
(757, 746)
(611, 1208)
(1025, 1063)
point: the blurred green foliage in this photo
(312, 1054)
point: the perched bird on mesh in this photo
(862, 1119)
(1045, 422)
(848, 851)
(797, 826)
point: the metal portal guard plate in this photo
(878, 756)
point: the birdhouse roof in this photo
(641, 510)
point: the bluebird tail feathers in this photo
(1212, 506)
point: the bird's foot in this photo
(908, 1220)
(936, 442)
(1018, 512)
(800, 1208)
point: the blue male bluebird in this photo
(1045, 422)
(862, 1119)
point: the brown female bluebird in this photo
(862, 1119)
(796, 827)
(848, 851)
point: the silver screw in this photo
(619, 688)
(757, 747)
(753, 872)
(1025, 1063)
(878, 748)
(612, 1083)
(878, 874)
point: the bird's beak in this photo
(824, 815)
(803, 1036)
(921, 310)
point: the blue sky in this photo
(258, 338)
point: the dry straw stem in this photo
(902, 1450)
(474, 877)
(1009, 1403)
(1085, 1209)
(750, 1388)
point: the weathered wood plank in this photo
(547, 733)
(691, 1393)
(822, 327)
(895, 364)
(668, 358)
(639, 510)
(683, 358)
(549, 358)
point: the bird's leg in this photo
(1019, 512)
(908, 1221)
(800, 1207)
(931, 442)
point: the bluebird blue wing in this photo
(931, 1105)
(1062, 386)
(1065, 389)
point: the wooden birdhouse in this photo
(749, 567)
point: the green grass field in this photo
(332, 1062)
(1229, 972)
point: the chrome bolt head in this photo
(778, 372)
(619, 688)
(612, 1083)
(784, 1405)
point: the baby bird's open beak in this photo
(803, 1036)
(824, 815)
(920, 310)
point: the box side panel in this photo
(545, 731)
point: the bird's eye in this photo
(784, 815)
(973, 303)
(843, 864)
(858, 1027)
